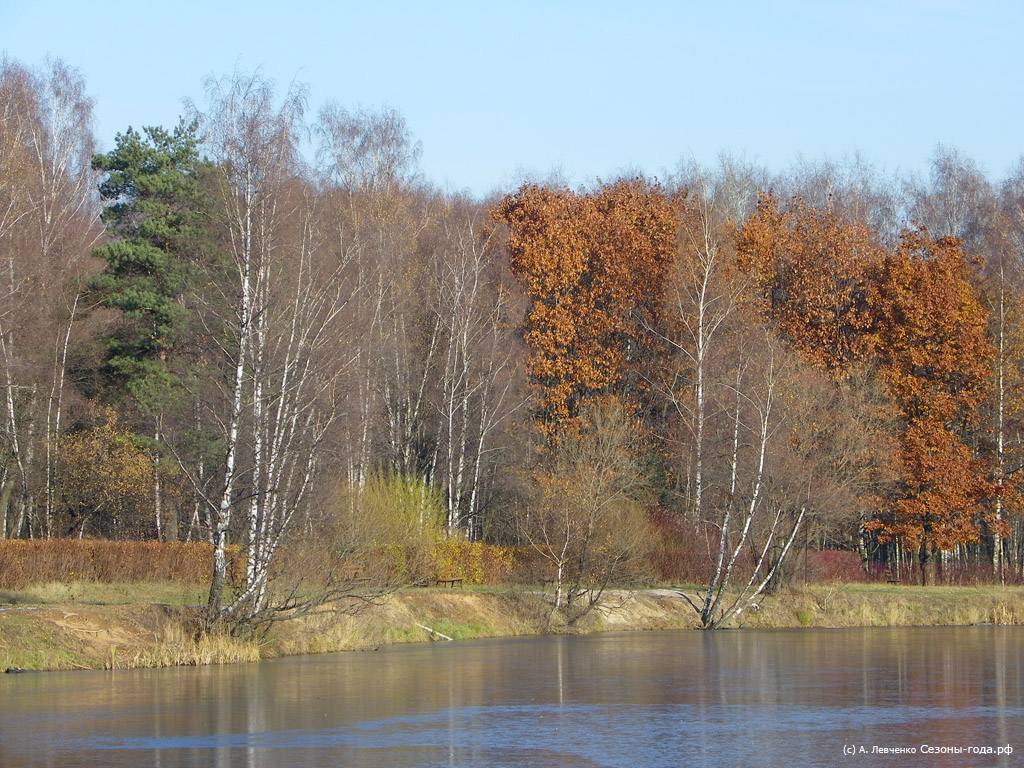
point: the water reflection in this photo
(792, 698)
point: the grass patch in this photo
(93, 593)
(88, 625)
(463, 630)
(888, 605)
(399, 635)
(27, 643)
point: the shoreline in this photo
(80, 635)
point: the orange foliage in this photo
(935, 361)
(932, 331)
(830, 290)
(813, 270)
(594, 266)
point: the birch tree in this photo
(1006, 313)
(377, 214)
(749, 536)
(48, 223)
(474, 305)
(285, 299)
(701, 298)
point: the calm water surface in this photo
(729, 698)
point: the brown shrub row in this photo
(42, 561)
(24, 563)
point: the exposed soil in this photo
(73, 636)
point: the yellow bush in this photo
(476, 563)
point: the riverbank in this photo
(69, 628)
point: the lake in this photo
(809, 697)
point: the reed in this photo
(180, 647)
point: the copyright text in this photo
(925, 749)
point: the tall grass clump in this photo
(180, 648)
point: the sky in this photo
(500, 92)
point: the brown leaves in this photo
(813, 271)
(914, 316)
(932, 335)
(592, 264)
(934, 358)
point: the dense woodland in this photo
(264, 329)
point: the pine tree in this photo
(155, 213)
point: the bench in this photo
(450, 583)
(890, 577)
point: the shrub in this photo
(476, 563)
(41, 561)
(834, 565)
(396, 518)
(678, 553)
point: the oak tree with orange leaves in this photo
(813, 270)
(935, 360)
(593, 266)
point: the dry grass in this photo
(178, 646)
(885, 605)
(113, 637)
(93, 593)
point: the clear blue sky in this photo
(494, 90)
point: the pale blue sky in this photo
(495, 89)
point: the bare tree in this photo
(701, 297)
(956, 200)
(48, 223)
(587, 518)
(285, 301)
(1003, 273)
(751, 417)
(366, 150)
(850, 188)
(377, 215)
(473, 305)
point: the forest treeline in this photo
(263, 329)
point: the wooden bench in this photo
(450, 583)
(890, 577)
